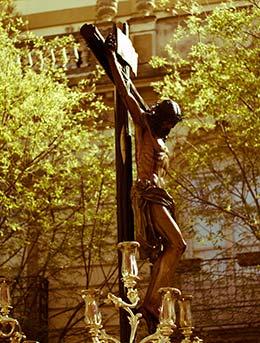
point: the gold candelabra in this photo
(167, 317)
(9, 327)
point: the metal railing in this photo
(224, 293)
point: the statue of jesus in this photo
(157, 231)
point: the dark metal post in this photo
(125, 222)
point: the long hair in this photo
(167, 110)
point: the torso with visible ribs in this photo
(151, 157)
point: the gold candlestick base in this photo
(167, 317)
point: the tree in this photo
(56, 167)
(215, 177)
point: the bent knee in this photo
(179, 246)
(183, 246)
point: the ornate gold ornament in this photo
(167, 318)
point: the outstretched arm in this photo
(129, 100)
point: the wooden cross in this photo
(128, 58)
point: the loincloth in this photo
(144, 194)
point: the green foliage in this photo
(56, 172)
(57, 194)
(215, 176)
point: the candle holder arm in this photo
(134, 319)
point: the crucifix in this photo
(154, 210)
(123, 142)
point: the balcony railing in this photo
(72, 57)
(224, 294)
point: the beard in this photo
(156, 125)
(161, 133)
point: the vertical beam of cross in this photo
(125, 225)
(123, 142)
